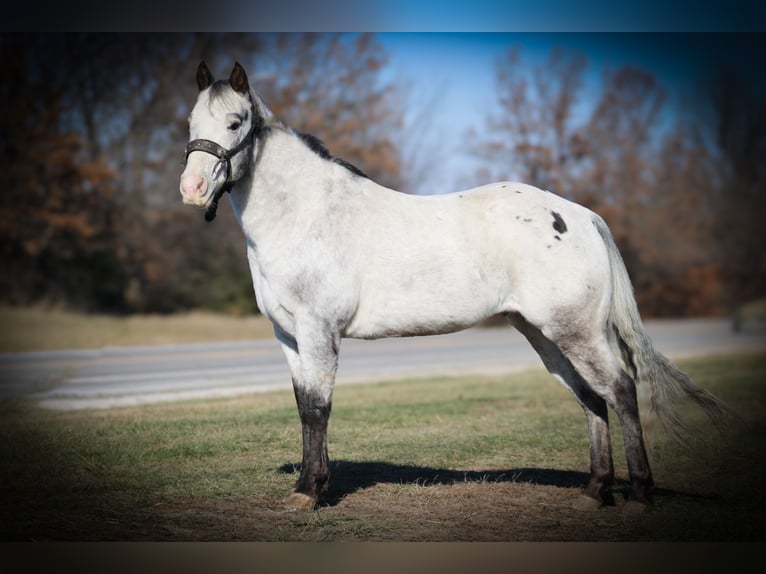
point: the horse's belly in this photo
(398, 314)
(380, 329)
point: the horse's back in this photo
(452, 260)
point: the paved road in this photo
(121, 376)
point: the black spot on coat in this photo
(558, 223)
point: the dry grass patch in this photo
(40, 329)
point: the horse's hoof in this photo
(635, 507)
(585, 502)
(299, 501)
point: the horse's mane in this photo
(317, 146)
(221, 89)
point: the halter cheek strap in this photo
(224, 158)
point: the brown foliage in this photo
(92, 134)
(56, 214)
(327, 86)
(682, 197)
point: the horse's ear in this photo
(238, 79)
(204, 77)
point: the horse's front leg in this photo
(313, 360)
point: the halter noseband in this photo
(224, 158)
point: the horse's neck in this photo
(284, 188)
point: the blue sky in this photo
(454, 73)
(465, 37)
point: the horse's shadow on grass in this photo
(348, 477)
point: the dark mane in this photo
(316, 145)
(220, 89)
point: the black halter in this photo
(224, 158)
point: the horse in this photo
(335, 255)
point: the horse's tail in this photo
(649, 368)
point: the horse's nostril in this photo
(193, 185)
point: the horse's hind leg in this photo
(595, 363)
(601, 463)
(598, 490)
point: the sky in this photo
(454, 75)
(448, 47)
(451, 76)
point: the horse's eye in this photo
(234, 126)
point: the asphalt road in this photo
(122, 376)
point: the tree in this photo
(735, 134)
(532, 136)
(681, 197)
(93, 135)
(57, 223)
(328, 85)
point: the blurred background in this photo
(664, 135)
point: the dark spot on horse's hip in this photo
(558, 223)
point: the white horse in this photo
(333, 254)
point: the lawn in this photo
(468, 458)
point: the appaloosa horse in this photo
(333, 254)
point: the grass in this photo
(469, 458)
(37, 329)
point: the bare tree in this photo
(328, 85)
(57, 215)
(736, 133)
(533, 136)
(681, 197)
(95, 160)
(421, 149)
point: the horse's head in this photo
(222, 126)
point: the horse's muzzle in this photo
(194, 190)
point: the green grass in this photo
(37, 329)
(470, 458)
